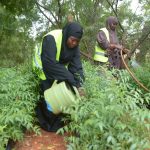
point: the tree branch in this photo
(115, 14)
(45, 14)
(140, 41)
(59, 12)
(116, 5)
(87, 56)
(56, 20)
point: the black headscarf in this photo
(71, 29)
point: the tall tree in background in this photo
(144, 55)
(17, 18)
(15, 22)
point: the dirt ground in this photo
(45, 141)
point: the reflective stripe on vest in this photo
(99, 52)
(37, 63)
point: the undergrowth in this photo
(112, 116)
(18, 97)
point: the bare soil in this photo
(45, 141)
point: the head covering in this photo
(114, 57)
(111, 20)
(71, 29)
(112, 33)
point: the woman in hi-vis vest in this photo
(107, 48)
(58, 59)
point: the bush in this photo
(109, 117)
(18, 97)
(143, 75)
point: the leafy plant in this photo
(108, 117)
(143, 75)
(18, 97)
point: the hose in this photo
(135, 79)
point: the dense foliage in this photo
(111, 116)
(143, 75)
(114, 113)
(21, 22)
(18, 97)
(16, 44)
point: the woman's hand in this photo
(114, 46)
(81, 91)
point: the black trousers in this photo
(48, 120)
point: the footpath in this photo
(45, 141)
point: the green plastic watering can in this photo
(60, 96)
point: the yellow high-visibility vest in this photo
(99, 52)
(37, 63)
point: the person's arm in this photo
(102, 40)
(105, 44)
(113, 46)
(53, 70)
(75, 67)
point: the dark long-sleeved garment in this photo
(56, 70)
(114, 57)
(102, 40)
(101, 37)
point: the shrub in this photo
(18, 97)
(108, 117)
